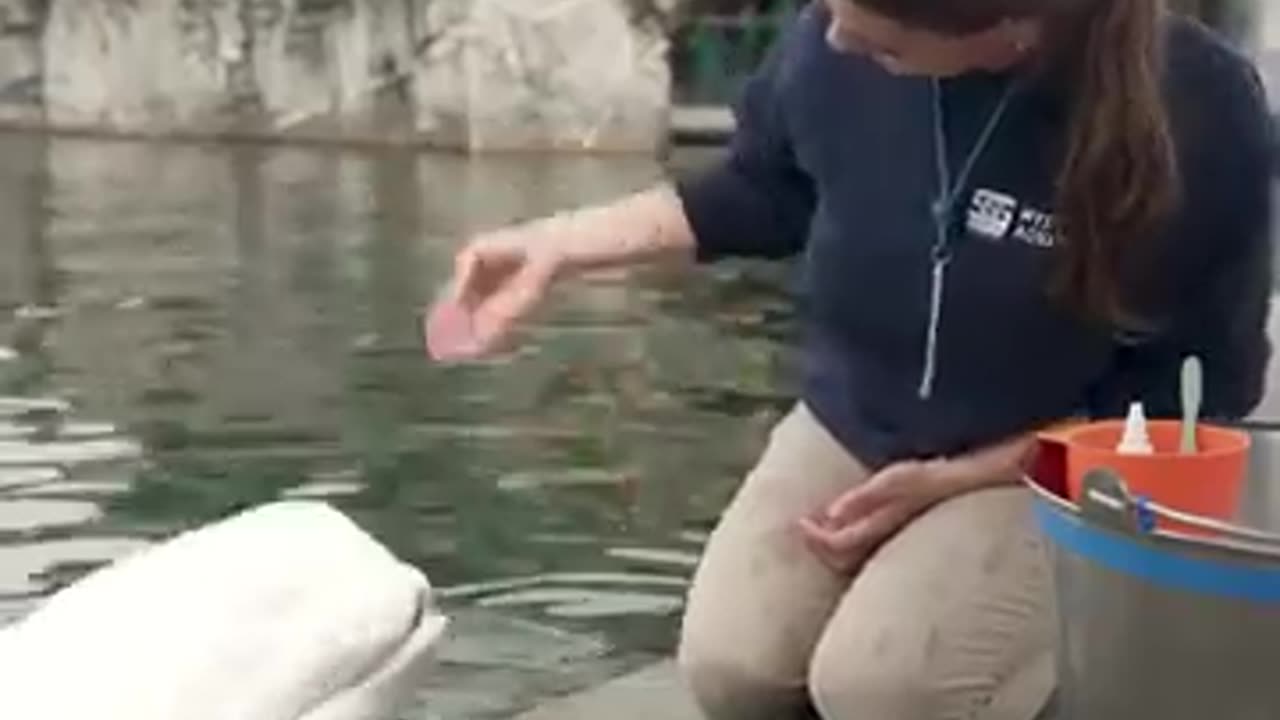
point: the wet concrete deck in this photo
(654, 692)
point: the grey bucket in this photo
(1158, 624)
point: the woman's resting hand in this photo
(846, 533)
(850, 529)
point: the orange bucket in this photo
(1208, 483)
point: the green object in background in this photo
(708, 60)
(716, 53)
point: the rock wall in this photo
(541, 73)
(21, 59)
(471, 74)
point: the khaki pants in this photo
(952, 619)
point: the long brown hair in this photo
(1118, 181)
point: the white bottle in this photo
(1136, 440)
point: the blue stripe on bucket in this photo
(1157, 566)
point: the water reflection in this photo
(198, 329)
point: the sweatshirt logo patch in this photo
(991, 214)
(997, 216)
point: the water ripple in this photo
(68, 453)
(22, 566)
(562, 578)
(652, 556)
(12, 479)
(24, 515)
(588, 604)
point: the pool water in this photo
(190, 330)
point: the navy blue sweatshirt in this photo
(833, 163)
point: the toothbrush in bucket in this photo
(1192, 395)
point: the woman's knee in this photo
(845, 687)
(726, 686)
(953, 618)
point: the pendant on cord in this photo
(941, 258)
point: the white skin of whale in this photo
(286, 612)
